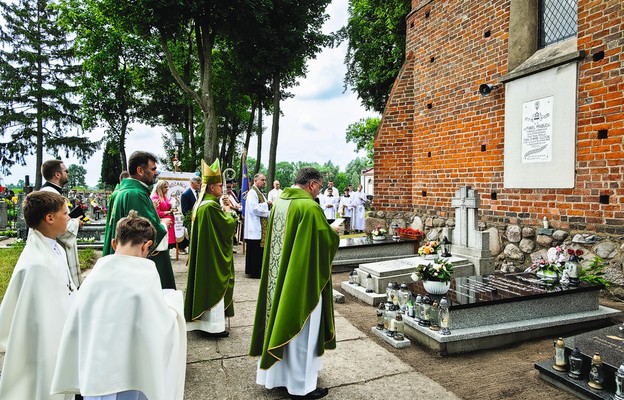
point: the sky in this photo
(312, 127)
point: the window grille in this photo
(558, 20)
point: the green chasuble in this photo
(211, 265)
(296, 269)
(134, 195)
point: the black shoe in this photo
(223, 334)
(317, 393)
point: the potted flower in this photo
(549, 271)
(436, 276)
(429, 250)
(378, 233)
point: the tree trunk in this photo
(122, 146)
(259, 134)
(274, 128)
(38, 180)
(210, 119)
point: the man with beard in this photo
(56, 176)
(134, 194)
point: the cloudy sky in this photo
(312, 127)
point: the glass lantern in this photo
(389, 292)
(395, 232)
(388, 308)
(560, 361)
(400, 328)
(418, 307)
(356, 278)
(596, 372)
(395, 295)
(576, 364)
(369, 284)
(391, 317)
(425, 318)
(619, 382)
(434, 315)
(404, 297)
(573, 267)
(381, 311)
(445, 248)
(444, 317)
(351, 277)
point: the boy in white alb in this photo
(36, 303)
(131, 333)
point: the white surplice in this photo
(254, 210)
(329, 204)
(298, 370)
(131, 334)
(32, 315)
(357, 220)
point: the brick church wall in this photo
(438, 133)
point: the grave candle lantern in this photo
(445, 246)
(388, 307)
(400, 328)
(596, 372)
(395, 231)
(356, 278)
(404, 296)
(391, 317)
(395, 295)
(417, 308)
(444, 317)
(389, 292)
(619, 380)
(426, 311)
(381, 311)
(434, 315)
(576, 364)
(369, 283)
(560, 363)
(351, 274)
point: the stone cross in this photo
(466, 239)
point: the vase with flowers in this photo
(378, 233)
(429, 251)
(549, 270)
(436, 276)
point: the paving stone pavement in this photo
(359, 368)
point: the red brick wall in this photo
(438, 133)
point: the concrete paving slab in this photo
(359, 361)
(202, 348)
(402, 386)
(346, 331)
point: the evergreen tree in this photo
(37, 103)
(77, 174)
(111, 166)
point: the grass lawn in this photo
(9, 256)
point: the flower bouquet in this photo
(549, 270)
(436, 276)
(429, 249)
(378, 233)
(409, 233)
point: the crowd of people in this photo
(85, 347)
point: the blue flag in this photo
(244, 187)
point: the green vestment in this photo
(211, 264)
(134, 195)
(296, 269)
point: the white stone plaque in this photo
(537, 117)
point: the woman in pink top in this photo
(163, 207)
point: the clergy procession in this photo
(121, 331)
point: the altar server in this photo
(131, 333)
(36, 303)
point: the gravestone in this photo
(22, 229)
(4, 221)
(466, 239)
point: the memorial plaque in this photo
(609, 342)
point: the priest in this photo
(294, 321)
(134, 194)
(211, 265)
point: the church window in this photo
(557, 20)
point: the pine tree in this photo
(37, 96)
